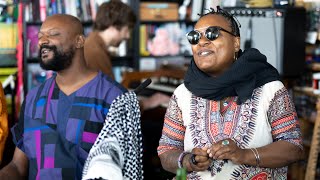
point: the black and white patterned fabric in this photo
(117, 152)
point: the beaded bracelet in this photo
(256, 155)
(180, 159)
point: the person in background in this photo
(232, 118)
(61, 118)
(3, 122)
(113, 24)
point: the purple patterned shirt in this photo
(56, 131)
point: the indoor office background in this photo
(286, 31)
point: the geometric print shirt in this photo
(268, 116)
(56, 131)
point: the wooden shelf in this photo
(306, 90)
(314, 66)
(164, 22)
(310, 138)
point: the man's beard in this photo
(60, 61)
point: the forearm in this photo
(169, 160)
(11, 172)
(274, 155)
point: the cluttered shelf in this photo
(314, 66)
(308, 109)
(189, 22)
(306, 90)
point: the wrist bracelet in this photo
(256, 155)
(180, 159)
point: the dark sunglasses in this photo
(211, 33)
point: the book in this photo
(32, 41)
(8, 44)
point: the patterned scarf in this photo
(249, 71)
(117, 152)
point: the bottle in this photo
(181, 174)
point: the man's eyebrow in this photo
(52, 29)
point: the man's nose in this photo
(43, 40)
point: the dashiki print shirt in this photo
(267, 117)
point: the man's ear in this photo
(236, 44)
(80, 41)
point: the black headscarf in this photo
(249, 71)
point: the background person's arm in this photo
(17, 168)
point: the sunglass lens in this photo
(212, 33)
(193, 37)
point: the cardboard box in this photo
(159, 11)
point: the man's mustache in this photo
(47, 47)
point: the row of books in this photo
(8, 44)
(38, 10)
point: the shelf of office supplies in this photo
(310, 130)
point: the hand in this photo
(201, 160)
(227, 149)
(155, 100)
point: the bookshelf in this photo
(35, 12)
(137, 56)
(308, 109)
(162, 39)
(307, 101)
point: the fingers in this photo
(222, 149)
(196, 159)
(199, 163)
(199, 159)
(200, 151)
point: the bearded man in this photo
(61, 118)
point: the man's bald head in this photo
(61, 42)
(68, 22)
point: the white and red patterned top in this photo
(267, 117)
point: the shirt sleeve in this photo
(173, 129)
(283, 119)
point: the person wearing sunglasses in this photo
(232, 118)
